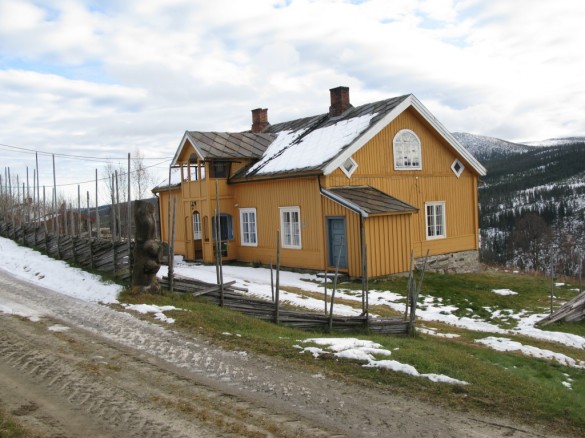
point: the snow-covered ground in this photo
(56, 275)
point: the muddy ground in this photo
(85, 370)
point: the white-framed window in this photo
(290, 227)
(248, 229)
(407, 151)
(196, 226)
(349, 166)
(457, 167)
(435, 220)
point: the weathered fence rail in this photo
(112, 258)
(266, 310)
(101, 255)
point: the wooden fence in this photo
(104, 256)
(112, 258)
(266, 310)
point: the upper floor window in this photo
(220, 169)
(349, 166)
(407, 151)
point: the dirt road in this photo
(87, 370)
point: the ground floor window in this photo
(290, 227)
(435, 220)
(248, 231)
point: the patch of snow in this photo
(17, 309)
(58, 328)
(32, 266)
(506, 344)
(433, 332)
(158, 311)
(504, 292)
(363, 350)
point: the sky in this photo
(92, 81)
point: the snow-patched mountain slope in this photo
(556, 141)
(483, 147)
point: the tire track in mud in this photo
(235, 392)
(147, 347)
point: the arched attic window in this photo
(407, 151)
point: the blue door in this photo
(336, 241)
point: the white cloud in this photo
(114, 76)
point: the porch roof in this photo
(367, 200)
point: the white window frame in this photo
(288, 228)
(398, 152)
(352, 167)
(431, 225)
(461, 167)
(197, 226)
(248, 237)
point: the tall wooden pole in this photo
(78, 210)
(97, 208)
(88, 222)
(55, 216)
(218, 233)
(27, 204)
(113, 211)
(119, 223)
(34, 200)
(169, 221)
(37, 184)
(45, 215)
(129, 218)
(341, 243)
(172, 248)
(277, 285)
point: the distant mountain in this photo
(485, 148)
(556, 141)
(548, 181)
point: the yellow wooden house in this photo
(361, 187)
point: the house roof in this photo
(317, 144)
(226, 145)
(367, 200)
(165, 184)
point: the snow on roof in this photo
(175, 180)
(309, 149)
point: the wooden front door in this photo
(336, 242)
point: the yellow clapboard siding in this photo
(267, 198)
(435, 182)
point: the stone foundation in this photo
(456, 262)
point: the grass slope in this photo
(500, 383)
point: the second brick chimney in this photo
(259, 120)
(339, 101)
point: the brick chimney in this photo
(259, 120)
(339, 101)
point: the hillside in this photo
(547, 181)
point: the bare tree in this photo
(532, 239)
(142, 178)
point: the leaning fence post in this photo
(334, 285)
(172, 248)
(277, 286)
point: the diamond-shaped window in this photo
(457, 168)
